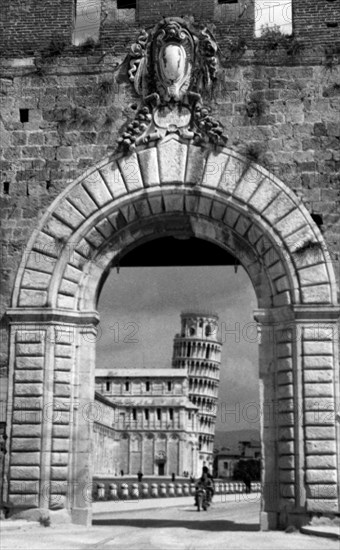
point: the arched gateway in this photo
(174, 188)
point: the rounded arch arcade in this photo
(174, 189)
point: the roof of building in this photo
(99, 397)
(152, 401)
(237, 449)
(228, 453)
(251, 444)
(141, 373)
(199, 313)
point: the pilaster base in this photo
(82, 516)
(268, 521)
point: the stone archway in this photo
(174, 188)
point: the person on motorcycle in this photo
(205, 482)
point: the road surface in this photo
(228, 525)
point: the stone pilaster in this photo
(303, 388)
(49, 415)
(27, 411)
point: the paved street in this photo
(227, 525)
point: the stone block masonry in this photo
(71, 203)
(73, 129)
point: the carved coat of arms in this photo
(170, 67)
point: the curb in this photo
(322, 531)
(98, 516)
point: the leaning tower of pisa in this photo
(198, 349)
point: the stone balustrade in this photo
(135, 491)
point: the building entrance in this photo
(174, 189)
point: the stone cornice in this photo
(298, 313)
(51, 316)
(312, 312)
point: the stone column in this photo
(143, 437)
(181, 453)
(267, 383)
(85, 412)
(166, 469)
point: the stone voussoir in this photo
(111, 174)
(97, 189)
(131, 173)
(148, 162)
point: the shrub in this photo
(273, 37)
(254, 152)
(88, 46)
(255, 107)
(45, 521)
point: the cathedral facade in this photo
(161, 421)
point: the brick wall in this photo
(152, 10)
(29, 25)
(314, 20)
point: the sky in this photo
(140, 315)
(267, 12)
(273, 12)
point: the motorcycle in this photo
(202, 499)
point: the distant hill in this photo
(231, 439)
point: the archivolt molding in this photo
(175, 187)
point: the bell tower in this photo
(198, 349)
